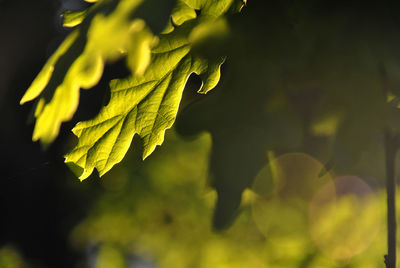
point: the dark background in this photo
(40, 199)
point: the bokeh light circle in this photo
(283, 190)
(344, 217)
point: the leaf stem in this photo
(391, 147)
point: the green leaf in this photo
(106, 33)
(146, 105)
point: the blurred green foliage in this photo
(10, 258)
(159, 212)
(300, 77)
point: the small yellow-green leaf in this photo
(44, 76)
(79, 63)
(73, 18)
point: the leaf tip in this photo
(147, 153)
(25, 98)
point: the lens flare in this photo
(344, 217)
(291, 175)
(283, 189)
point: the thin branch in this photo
(391, 147)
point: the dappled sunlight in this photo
(344, 217)
(170, 224)
(162, 217)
